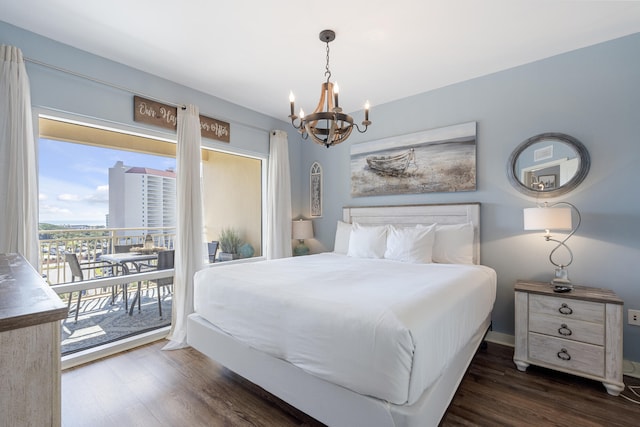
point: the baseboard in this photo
(629, 367)
(119, 346)
(500, 338)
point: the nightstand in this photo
(579, 332)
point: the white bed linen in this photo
(377, 327)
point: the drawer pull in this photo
(565, 309)
(564, 355)
(563, 330)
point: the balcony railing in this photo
(99, 320)
(89, 244)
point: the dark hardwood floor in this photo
(495, 393)
(150, 387)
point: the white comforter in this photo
(378, 327)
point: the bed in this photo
(368, 335)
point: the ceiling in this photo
(253, 52)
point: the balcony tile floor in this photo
(100, 322)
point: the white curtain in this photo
(18, 177)
(278, 197)
(189, 256)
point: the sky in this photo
(74, 180)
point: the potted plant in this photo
(230, 242)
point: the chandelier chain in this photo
(327, 72)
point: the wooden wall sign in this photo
(214, 129)
(166, 116)
(154, 113)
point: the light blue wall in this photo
(592, 94)
(59, 92)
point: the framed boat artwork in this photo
(432, 161)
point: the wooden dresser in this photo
(578, 332)
(30, 314)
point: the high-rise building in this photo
(141, 197)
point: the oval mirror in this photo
(548, 165)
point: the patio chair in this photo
(165, 262)
(121, 249)
(77, 272)
(212, 249)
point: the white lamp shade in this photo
(546, 218)
(302, 229)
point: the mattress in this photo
(378, 327)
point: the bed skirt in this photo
(327, 402)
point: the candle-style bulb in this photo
(336, 90)
(301, 114)
(291, 100)
(366, 110)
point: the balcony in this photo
(105, 313)
(102, 322)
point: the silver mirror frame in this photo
(581, 150)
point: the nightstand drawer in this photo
(569, 355)
(571, 329)
(567, 308)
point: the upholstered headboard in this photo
(408, 215)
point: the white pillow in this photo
(453, 244)
(367, 241)
(343, 233)
(410, 244)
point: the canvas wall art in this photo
(436, 160)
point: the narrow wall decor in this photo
(315, 190)
(437, 160)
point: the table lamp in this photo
(302, 229)
(549, 217)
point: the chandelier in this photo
(327, 125)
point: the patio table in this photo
(135, 259)
(123, 259)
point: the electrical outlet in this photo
(634, 317)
